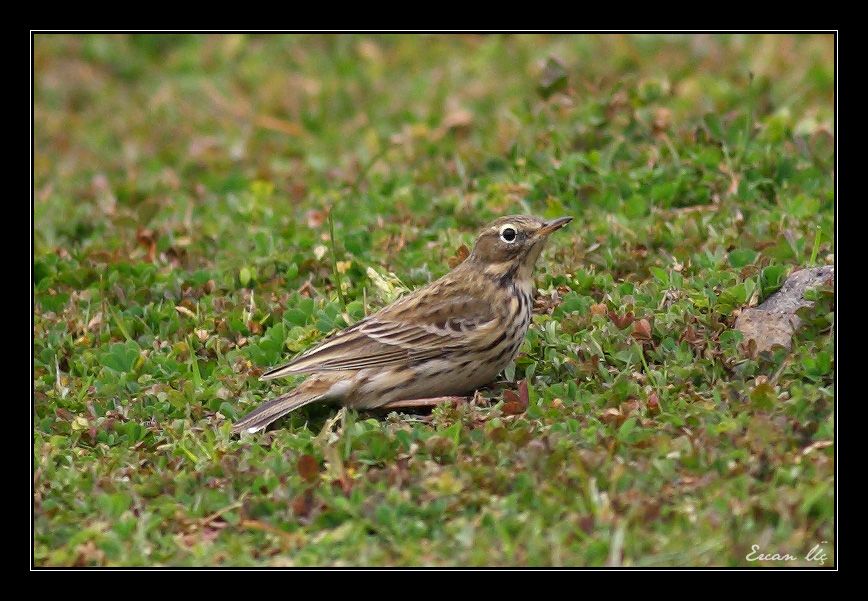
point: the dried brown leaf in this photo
(612, 415)
(147, 239)
(308, 467)
(621, 321)
(662, 120)
(642, 330)
(461, 253)
(184, 311)
(315, 218)
(598, 309)
(523, 395)
(290, 128)
(653, 403)
(302, 505)
(458, 118)
(513, 408)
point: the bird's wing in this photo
(413, 329)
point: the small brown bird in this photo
(448, 338)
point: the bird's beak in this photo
(551, 226)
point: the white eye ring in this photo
(504, 229)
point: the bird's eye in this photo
(507, 234)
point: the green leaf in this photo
(636, 206)
(732, 298)
(453, 432)
(121, 357)
(771, 279)
(712, 122)
(660, 274)
(626, 429)
(292, 271)
(115, 504)
(306, 305)
(245, 276)
(741, 257)
(55, 302)
(296, 317)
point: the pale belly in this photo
(457, 374)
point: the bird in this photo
(450, 337)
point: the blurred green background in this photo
(208, 205)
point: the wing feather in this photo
(395, 337)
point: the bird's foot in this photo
(422, 403)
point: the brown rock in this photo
(774, 322)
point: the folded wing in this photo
(405, 333)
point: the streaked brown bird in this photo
(448, 338)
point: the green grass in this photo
(182, 246)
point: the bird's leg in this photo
(417, 403)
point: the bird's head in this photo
(510, 246)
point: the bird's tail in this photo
(276, 408)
